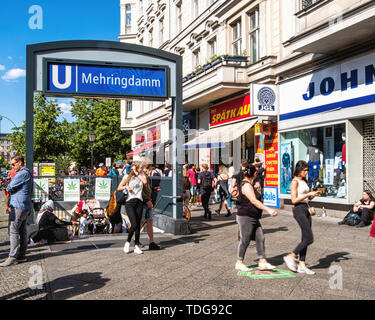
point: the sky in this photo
(21, 23)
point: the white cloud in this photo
(14, 74)
(65, 108)
(2, 67)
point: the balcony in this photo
(222, 77)
(330, 32)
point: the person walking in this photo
(222, 182)
(206, 180)
(300, 195)
(248, 216)
(192, 176)
(148, 196)
(20, 190)
(134, 204)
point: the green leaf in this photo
(72, 186)
(103, 185)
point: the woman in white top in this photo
(300, 195)
(134, 204)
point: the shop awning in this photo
(217, 137)
(140, 149)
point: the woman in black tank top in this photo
(248, 215)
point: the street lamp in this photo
(92, 138)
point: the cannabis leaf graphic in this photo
(41, 185)
(72, 186)
(103, 185)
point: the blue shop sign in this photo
(271, 197)
(87, 79)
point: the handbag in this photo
(311, 210)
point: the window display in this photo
(324, 149)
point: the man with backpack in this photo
(207, 181)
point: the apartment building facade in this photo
(318, 53)
(6, 150)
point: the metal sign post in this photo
(106, 69)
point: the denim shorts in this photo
(149, 213)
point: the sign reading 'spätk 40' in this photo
(105, 80)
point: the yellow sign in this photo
(47, 170)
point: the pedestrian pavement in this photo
(198, 266)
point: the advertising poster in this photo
(71, 190)
(139, 138)
(286, 167)
(47, 170)
(271, 157)
(41, 189)
(102, 189)
(153, 134)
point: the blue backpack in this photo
(353, 219)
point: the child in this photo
(84, 223)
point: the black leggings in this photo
(303, 217)
(134, 209)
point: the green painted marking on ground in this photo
(255, 273)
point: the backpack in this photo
(353, 219)
(112, 172)
(207, 181)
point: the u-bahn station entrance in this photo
(111, 70)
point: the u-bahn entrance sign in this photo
(106, 69)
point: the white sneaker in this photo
(265, 266)
(127, 247)
(241, 267)
(291, 263)
(138, 250)
(304, 269)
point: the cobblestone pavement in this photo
(197, 266)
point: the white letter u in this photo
(55, 77)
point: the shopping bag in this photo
(372, 231)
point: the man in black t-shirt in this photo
(206, 181)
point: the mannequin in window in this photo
(343, 157)
(314, 158)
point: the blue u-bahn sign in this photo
(97, 79)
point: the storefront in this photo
(230, 137)
(327, 119)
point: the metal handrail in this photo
(166, 197)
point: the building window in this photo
(150, 38)
(128, 18)
(195, 9)
(179, 17)
(305, 4)
(236, 38)
(324, 149)
(212, 47)
(196, 58)
(254, 36)
(129, 106)
(161, 31)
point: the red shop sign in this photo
(236, 109)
